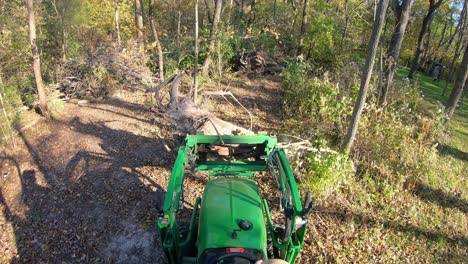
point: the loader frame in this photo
(268, 158)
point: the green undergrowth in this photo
(401, 194)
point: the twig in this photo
(223, 93)
(217, 132)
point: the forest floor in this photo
(83, 186)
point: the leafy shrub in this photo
(398, 144)
(320, 39)
(317, 102)
(394, 147)
(326, 171)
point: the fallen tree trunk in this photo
(189, 118)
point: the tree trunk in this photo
(156, 40)
(61, 17)
(195, 66)
(433, 6)
(460, 85)
(303, 28)
(366, 75)
(346, 27)
(214, 30)
(36, 59)
(441, 40)
(460, 25)
(293, 5)
(456, 54)
(427, 45)
(116, 20)
(139, 23)
(252, 14)
(208, 12)
(64, 32)
(179, 15)
(402, 14)
(460, 31)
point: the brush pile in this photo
(103, 70)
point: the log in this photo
(189, 118)
(175, 80)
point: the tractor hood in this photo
(226, 203)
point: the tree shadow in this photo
(437, 196)
(139, 111)
(98, 207)
(344, 215)
(454, 152)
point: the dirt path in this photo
(83, 188)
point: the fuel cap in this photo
(245, 225)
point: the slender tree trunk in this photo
(460, 26)
(402, 12)
(61, 17)
(156, 40)
(441, 40)
(366, 75)
(139, 23)
(417, 54)
(433, 6)
(459, 31)
(293, 5)
(303, 28)
(195, 66)
(64, 32)
(427, 45)
(179, 15)
(214, 30)
(231, 10)
(116, 21)
(460, 85)
(36, 59)
(293, 25)
(253, 11)
(242, 7)
(346, 27)
(456, 54)
(208, 11)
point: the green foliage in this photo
(396, 198)
(230, 44)
(320, 39)
(180, 58)
(397, 144)
(318, 102)
(10, 103)
(326, 171)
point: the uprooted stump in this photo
(188, 118)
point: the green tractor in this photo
(232, 223)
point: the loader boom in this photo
(228, 222)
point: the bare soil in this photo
(83, 187)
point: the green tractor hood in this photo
(226, 203)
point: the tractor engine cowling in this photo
(231, 222)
